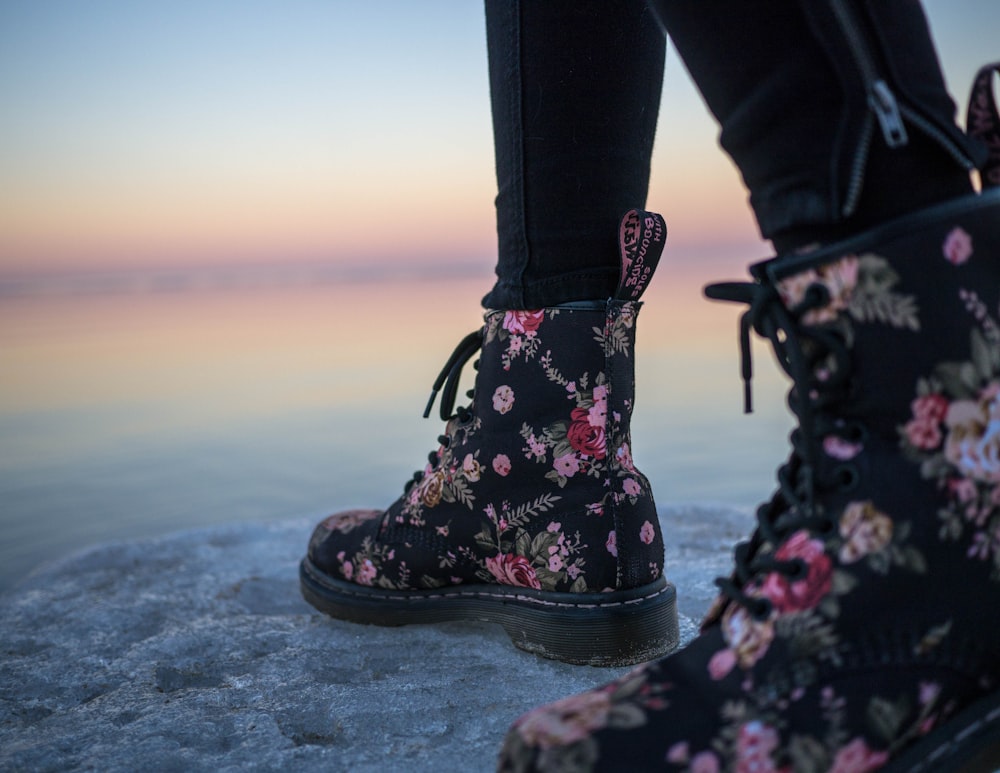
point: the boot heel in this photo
(637, 626)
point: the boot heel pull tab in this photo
(983, 122)
(640, 241)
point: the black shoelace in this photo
(449, 378)
(803, 352)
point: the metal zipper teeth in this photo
(873, 86)
(855, 41)
(856, 177)
(886, 109)
(939, 136)
(881, 100)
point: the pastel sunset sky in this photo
(218, 132)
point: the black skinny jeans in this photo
(834, 111)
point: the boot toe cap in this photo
(341, 532)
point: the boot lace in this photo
(448, 379)
(817, 359)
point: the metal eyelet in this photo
(847, 477)
(856, 432)
(816, 297)
(800, 572)
(762, 609)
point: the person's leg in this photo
(575, 89)
(531, 512)
(836, 113)
(857, 630)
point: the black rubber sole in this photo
(967, 743)
(597, 629)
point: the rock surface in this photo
(195, 652)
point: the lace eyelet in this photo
(856, 432)
(816, 297)
(800, 572)
(762, 609)
(847, 477)
(417, 477)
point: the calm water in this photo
(126, 414)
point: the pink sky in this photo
(141, 135)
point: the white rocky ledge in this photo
(195, 652)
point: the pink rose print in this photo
(366, 572)
(678, 753)
(597, 416)
(349, 520)
(748, 638)
(705, 762)
(837, 448)
(721, 663)
(566, 721)
(957, 247)
(856, 757)
(924, 435)
(513, 570)
(924, 430)
(865, 530)
(929, 692)
(840, 278)
(930, 408)
(567, 465)
(624, 456)
(431, 489)
(523, 322)
(646, 533)
(503, 399)
(472, 468)
(754, 745)
(964, 490)
(584, 437)
(973, 442)
(612, 543)
(501, 464)
(797, 595)
(536, 449)
(346, 567)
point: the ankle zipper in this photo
(886, 109)
(881, 100)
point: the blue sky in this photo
(144, 132)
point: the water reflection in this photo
(139, 413)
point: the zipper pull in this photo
(883, 103)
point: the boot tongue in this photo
(640, 241)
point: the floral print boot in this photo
(531, 513)
(860, 629)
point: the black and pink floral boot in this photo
(860, 629)
(531, 514)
